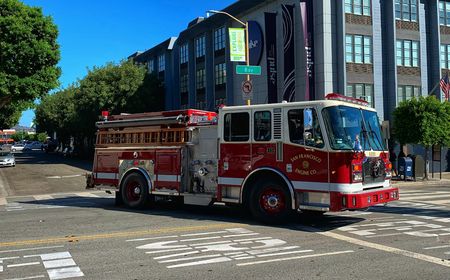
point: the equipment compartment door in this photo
(167, 170)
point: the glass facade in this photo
(407, 92)
(151, 66)
(184, 82)
(361, 91)
(358, 48)
(358, 7)
(200, 78)
(220, 74)
(161, 63)
(444, 13)
(219, 38)
(406, 10)
(407, 53)
(184, 53)
(200, 46)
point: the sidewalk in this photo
(430, 182)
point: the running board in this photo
(198, 199)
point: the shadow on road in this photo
(219, 213)
(40, 157)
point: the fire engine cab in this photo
(326, 155)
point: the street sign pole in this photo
(247, 56)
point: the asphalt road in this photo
(64, 232)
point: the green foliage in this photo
(21, 135)
(41, 137)
(117, 88)
(28, 57)
(424, 121)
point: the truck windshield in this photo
(351, 128)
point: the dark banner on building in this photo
(306, 10)
(256, 42)
(271, 56)
(289, 53)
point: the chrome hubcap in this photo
(137, 190)
(272, 201)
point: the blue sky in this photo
(93, 32)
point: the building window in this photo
(407, 92)
(361, 91)
(219, 38)
(444, 13)
(407, 53)
(358, 7)
(221, 74)
(161, 63)
(184, 53)
(236, 127)
(201, 78)
(445, 56)
(200, 46)
(406, 10)
(184, 83)
(151, 66)
(358, 48)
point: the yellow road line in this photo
(115, 235)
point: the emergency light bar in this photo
(335, 96)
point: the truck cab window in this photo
(262, 126)
(236, 127)
(299, 134)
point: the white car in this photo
(7, 159)
(17, 147)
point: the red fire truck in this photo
(326, 155)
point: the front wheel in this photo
(134, 191)
(270, 202)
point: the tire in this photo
(118, 200)
(134, 191)
(270, 202)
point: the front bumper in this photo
(2, 163)
(361, 200)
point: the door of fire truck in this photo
(306, 157)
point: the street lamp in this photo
(247, 49)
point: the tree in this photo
(28, 57)
(423, 121)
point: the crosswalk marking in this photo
(426, 196)
(42, 197)
(3, 201)
(86, 194)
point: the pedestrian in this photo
(393, 160)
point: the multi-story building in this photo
(382, 51)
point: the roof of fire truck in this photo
(332, 99)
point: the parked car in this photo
(7, 159)
(33, 145)
(17, 147)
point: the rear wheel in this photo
(270, 202)
(135, 191)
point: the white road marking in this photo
(65, 176)
(238, 235)
(382, 247)
(271, 250)
(43, 197)
(3, 201)
(252, 239)
(210, 243)
(168, 250)
(59, 263)
(437, 247)
(245, 258)
(151, 238)
(446, 201)
(86, 194)
(296, 258)
(32, 249)
(201, 238)
(23, 264)
(26, 278)
(1, 266)
(216, 260)
(176, 255)
(52, 256)
(204, 233)
(9, 258)
(62, 273)
(284, 253)
(191, 258)
(385, 235)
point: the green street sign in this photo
(248, 70)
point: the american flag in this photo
(445, 86)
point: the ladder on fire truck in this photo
(171, 128)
